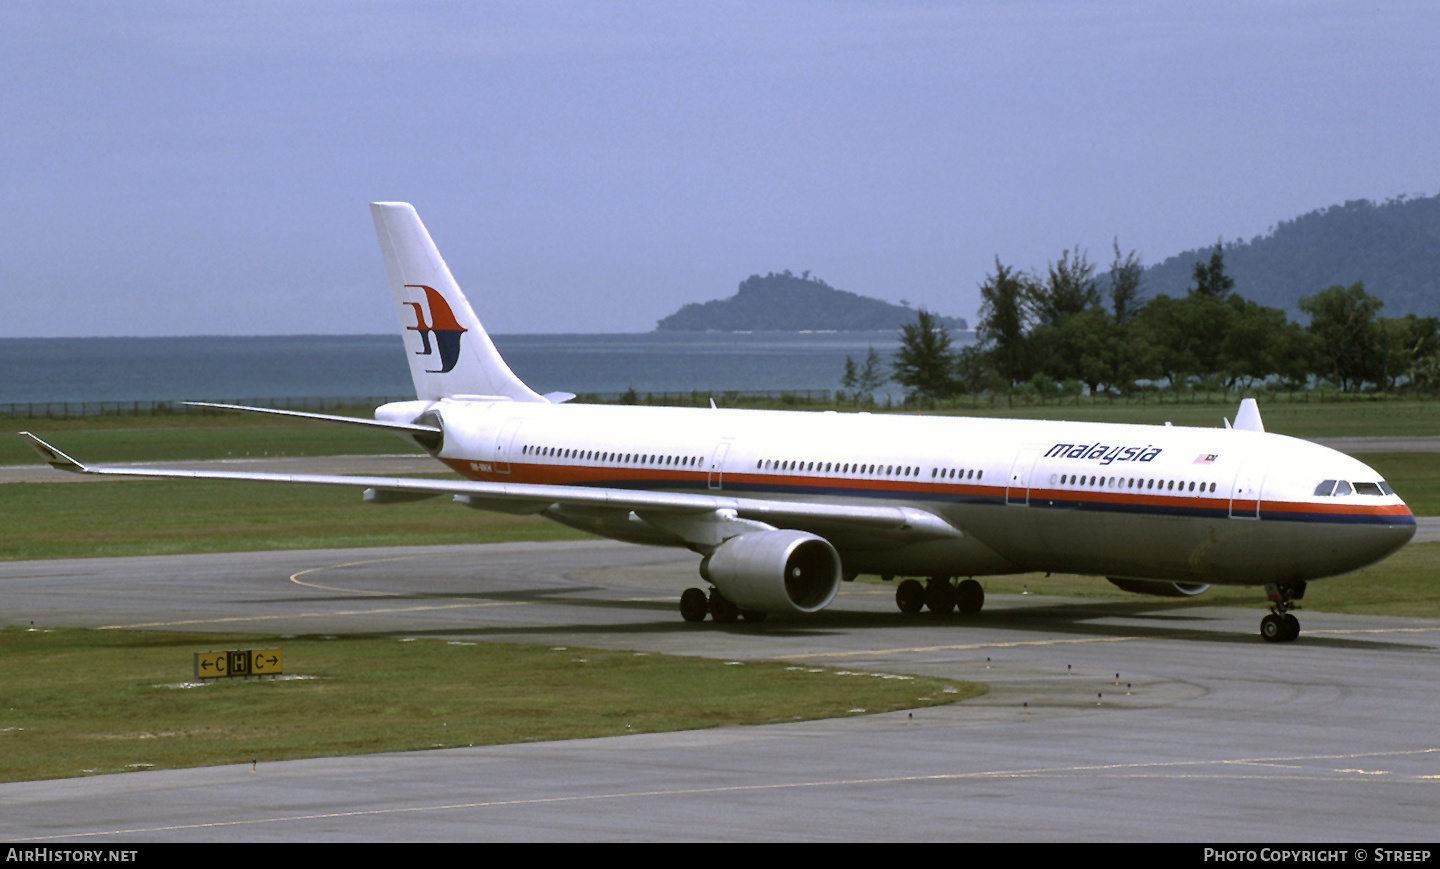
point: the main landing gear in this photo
(1281, 626)
(695, 605)
(940, 595)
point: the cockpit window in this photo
(1340, 488)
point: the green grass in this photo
(166, 517)
(79, 702)
(203, 437)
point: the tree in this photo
(924, 364)
(1178, 338)
(1259, 342)
(1068, 289)
(864, 381)
(1342, 319)
(1125, 279)
(871, 377)
(1004, 322)
(1403, 343)
(1210, 278)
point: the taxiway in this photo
(1221, 737)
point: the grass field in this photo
(168, 517)
(78, 702)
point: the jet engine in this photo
(1158, 587)
(775, 571)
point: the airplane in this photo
(784, 506)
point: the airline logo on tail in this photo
(442, 325)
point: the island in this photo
(787, 302)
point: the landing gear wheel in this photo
(940, 595)
(721, 610)
(1280, 626)
(910, 596)
(693, 605)
(969, 597)
(1276, 628)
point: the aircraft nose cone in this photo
(1391, 536)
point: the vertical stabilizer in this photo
(449, 352)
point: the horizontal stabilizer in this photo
(57, 459)
(405, 428)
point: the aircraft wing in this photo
(696, 518)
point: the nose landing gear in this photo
(1281, 626)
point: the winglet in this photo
(56, 458)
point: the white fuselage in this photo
(1169, 503)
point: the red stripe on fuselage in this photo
(664, 477)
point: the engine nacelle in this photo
(775, 571)
(1158, 587)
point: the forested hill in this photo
(790, 303)
(1392, 248)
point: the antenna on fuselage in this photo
(1248, 417)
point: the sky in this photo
(197, 168)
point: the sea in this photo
(297, 368)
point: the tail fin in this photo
(450, 354)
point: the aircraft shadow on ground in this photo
(1153, 620)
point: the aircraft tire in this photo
(910, 596)
(721, 610)
(1292, 627)
(1275, 630)
(969, 597)
(693, 605)
(940, 595)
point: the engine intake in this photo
(775, 571)
(1158, 587)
